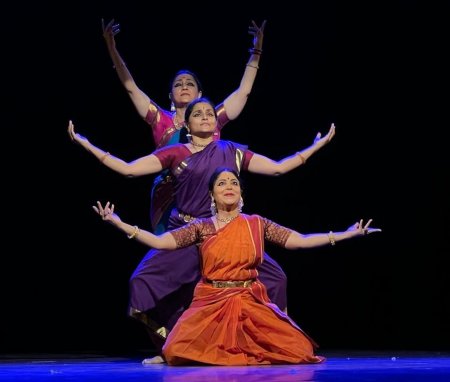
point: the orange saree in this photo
(231, 324)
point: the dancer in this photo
(231, 320)
(168, 126)
(176, 272)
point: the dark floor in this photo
(340, 366)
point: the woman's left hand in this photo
(363, 229)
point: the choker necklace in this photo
(198, 144)
(226, 220)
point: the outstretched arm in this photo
(297, 240)
(235, 102)
(149, 164)
(163, 241)
(140, 100)
(262, 165)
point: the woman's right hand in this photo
(107, 213)
(75, 137)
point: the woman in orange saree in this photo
(231, 320)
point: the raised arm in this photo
(140, 100)
(262, 165)
(297, 240)
(163, 241)
(235, 102)
(149, 164)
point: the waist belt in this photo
(185, 217)
(230, 284)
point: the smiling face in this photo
(184, 89)
(227, 191)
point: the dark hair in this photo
(220, 170)
(185, 71)
(189, 108)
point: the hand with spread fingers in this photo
(107, 212)
(363, 229)
(258, 34)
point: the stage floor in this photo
(351, 366)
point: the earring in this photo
(240, 204)
(213, 207)
(172, 107)
(188, 134)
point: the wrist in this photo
(301, 156)
(135, 232)
(255, 51)
(331, 238)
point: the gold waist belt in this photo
(230, 284)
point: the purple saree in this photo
(162, 285)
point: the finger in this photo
(110, 24)
(112, 208)
(368, 224)
(263, 26)
(100, 208)
(103, 24)
(332, 131)
(96, 209)
(70, 130)
(319, 135)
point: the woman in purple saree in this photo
(162, 285)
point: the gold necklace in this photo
(226, 220)
(176, 123)
(198, 144)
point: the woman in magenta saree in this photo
(168, 126)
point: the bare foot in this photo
(157, 359)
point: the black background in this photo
(376, 69)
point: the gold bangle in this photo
(301, 157)
(253, 66)
(103, 157)
(135, 233)
(331, 238)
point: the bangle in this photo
(103, 157)
(253, 66)
(301, 157)
(135, 233)
(255, 51)
(331, 238)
